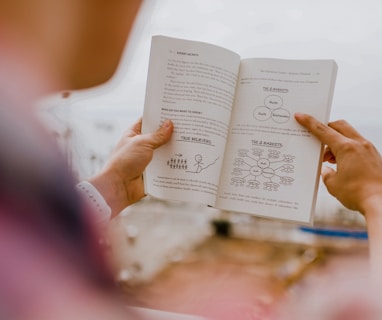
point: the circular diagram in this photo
(272, 110)
(273, 102)
(262, 113)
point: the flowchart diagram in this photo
(268, 168)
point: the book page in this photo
(272, 163)
(193, 84)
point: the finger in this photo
(324, 133)
(346, 129)
(162, 135)
(329, 156)
(136, 128)
(328, 175)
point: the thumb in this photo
(162, 135)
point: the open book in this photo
(236, 145)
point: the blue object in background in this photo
(329, 232)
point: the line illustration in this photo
(269, 168)
(199, 165)
(180, 162)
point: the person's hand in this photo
(357, 180)
(121, 182)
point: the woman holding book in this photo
(50, 267)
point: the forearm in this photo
(373, 215)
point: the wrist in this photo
(112, 190)
(371, 208)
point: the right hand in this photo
(357, 181)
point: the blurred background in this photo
(87, 123)
(348, 31)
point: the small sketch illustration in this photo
(179, 162)
(272, 110)
(199, 164)
(262, 167)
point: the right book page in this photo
(272, 164)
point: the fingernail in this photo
(166, 124)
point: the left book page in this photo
(193, 84)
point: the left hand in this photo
(121, 182)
